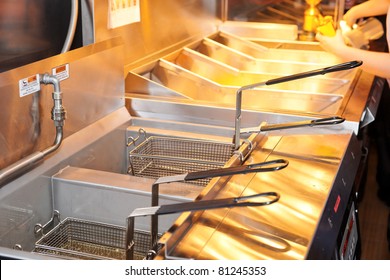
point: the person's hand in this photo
(350, 18)
(331, 44)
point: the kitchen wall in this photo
(25, 124)
(164, 24)
(31, 30)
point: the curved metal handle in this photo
(246, 200)
(132, 141)
(267, 166)
(272, 165)
(322, 71)
(328, 121)
(311, 123)
(243, 201)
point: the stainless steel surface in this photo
(82, 93)
(33, 191)
(246, 55)
(268, 31)
(288, 78)
(304, 187)
(354, 106)
(278, 44)
(186, 113)
(223, 75)
(189, 76)
(58, 114)
(86, 178)
(294, 97)
(181, 76)
(267, 166)
(76, 191)
(155, 34)
(96, 129)
(267, 198)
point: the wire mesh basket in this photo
(13, 218)
(81, 239)
(159, 156)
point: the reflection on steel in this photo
(169, 93)
(266, 198)
(304, 188)
(213, 69)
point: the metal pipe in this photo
(224, 10)
(72, 26)
(58, 115)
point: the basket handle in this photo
(141, 132)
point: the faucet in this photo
(58, 115)
(312, 18)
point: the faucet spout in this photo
(58, 113)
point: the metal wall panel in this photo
(31, 30)
(164, 25)
(93, 90)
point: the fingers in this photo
(349, 18)
(319, 36)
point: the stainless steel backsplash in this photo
(96, 83)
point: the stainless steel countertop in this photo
(283, 230)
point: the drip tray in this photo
(189, 86)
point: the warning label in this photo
(29, 85)
(61, 72)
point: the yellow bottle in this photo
(326, 27)
(312, 17)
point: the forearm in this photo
(376, 63)
(370, 8)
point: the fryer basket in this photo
(159, 156)
(81, 239)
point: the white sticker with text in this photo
(29, 85)
(61, 72)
